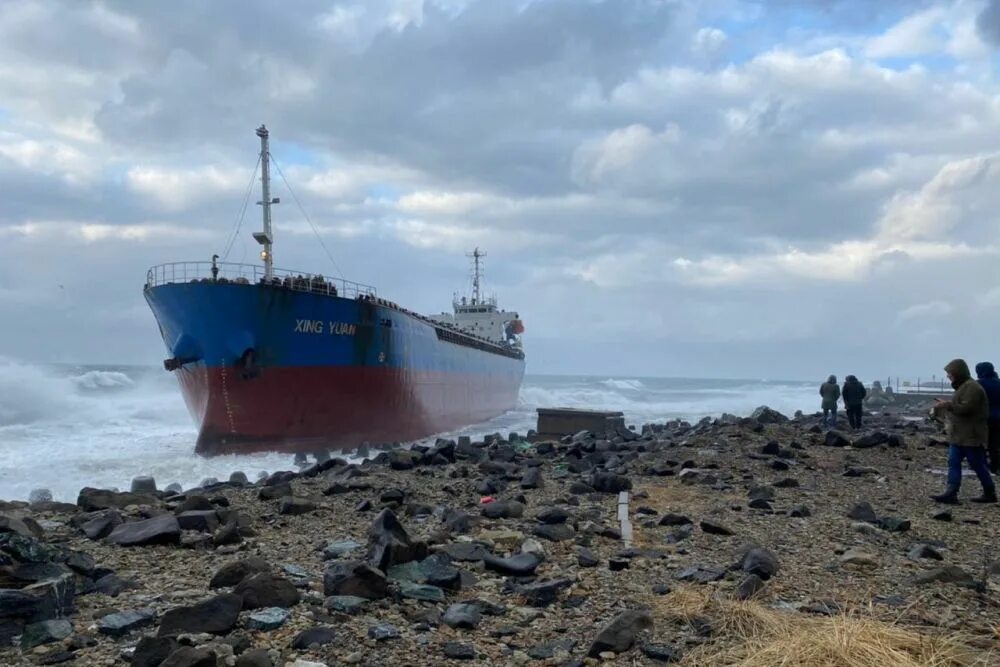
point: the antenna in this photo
(477, 272)
(264, 237)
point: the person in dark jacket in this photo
(990, 383)
(830, 392)
(854, 400)
(965, 415)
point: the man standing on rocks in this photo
(854, 400)
(966, 417)
(991, 385)
(831, 394)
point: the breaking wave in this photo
(65, 427)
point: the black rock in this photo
(503, 509)
(392, 496)
(765, 415)
(292, 506)
(548, 650)
(587, 558)
(466, 551)
(605, 482)
(162, 529)
(949, 574)
(91, 500)
(618, 564)
(152, 651)
(45, 632)
(203, 520)
(749, 587)
(661, 652)
(196, 503)
(772, 448)
(275, 492)
(401, 459)
(215, 616)
(462, 615)
(894, 524)
(319, 635)
(714, 528)
(389, 544)
(670, 519)
(761, 493)
(799, 511)
(621, 633)
(532, 479)
(873, 439)
(121, 623)
(759, 504)
(918, 551)
(457, 521)
(101, 526)
(759, 561)
(836, 439)
(863, 512)
(519, 565)
(786, 483)
(383, 631)
(257, 658)
(552, 515)
(189, 656)
(354, 578)
(679, 535)
(266, 590)
(543, 593)
(942, 515)
(233, 573)
(559, 532)
(459, 651)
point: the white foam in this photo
(64, 429)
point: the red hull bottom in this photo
(309, 409)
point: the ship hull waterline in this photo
(328, 373)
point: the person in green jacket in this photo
(965, 416)
(830, 392)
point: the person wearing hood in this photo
(990, 383)
(965, 416)
(830, 392)
(854, 400)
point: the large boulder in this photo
(162, 529)
(215, 616)
(765, 415)
(354, 578)
(389, 544)
(620, 634)
(101, 525)
(91, 500)
(233, 573)
(266, 590)
(121, 623)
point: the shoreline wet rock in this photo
(499, 552)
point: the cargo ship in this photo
(276, 360)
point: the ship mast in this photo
(264, 237)
(476, 256)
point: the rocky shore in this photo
(736, 537)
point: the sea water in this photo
(66, 427)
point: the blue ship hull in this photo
(262, 366)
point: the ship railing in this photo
(253, 274)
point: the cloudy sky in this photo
(729, 188)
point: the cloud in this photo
(647, 171)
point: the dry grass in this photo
(752, 635)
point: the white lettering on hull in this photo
(319, 327)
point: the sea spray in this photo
(65, 427)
